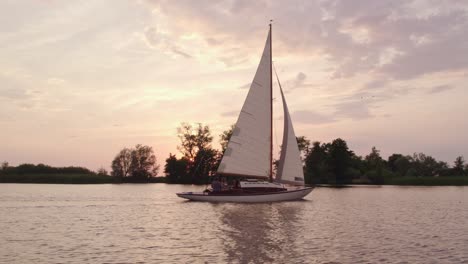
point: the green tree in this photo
(375, 165)
(356, 167)
(339, 161)
(316, 164)
(304, 146)
(4, 166)
(205, 164)
(102, 172)
(121, 163)
(374, 159)
(225, 137)
(176, 169)
(195, 145)
(143, 162)
(425, 166)
(193, 139)
(458, 167)
(401, 165)
(139, 163)
(392, 160)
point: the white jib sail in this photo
(290, 169)
(248, 150)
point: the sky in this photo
(80, 80)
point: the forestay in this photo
(248, 150)
(290, 165)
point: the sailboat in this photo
(249, 153)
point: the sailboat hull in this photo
(289, 195)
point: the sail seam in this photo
(258, 84)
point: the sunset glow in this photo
(81, 80)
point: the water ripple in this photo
(132, 223)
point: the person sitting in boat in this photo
(216, 185)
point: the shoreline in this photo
(103, 179)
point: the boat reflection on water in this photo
(261, 233)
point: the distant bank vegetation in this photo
(324, 163)
(30, 173)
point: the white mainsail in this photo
(248, 151)
(290, 169)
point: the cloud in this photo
(386, 41)
(357, 110)
(230, 113)
(13, 93)
(359, 104)
(181, 53)
(300, 78)
(297, 82)
(440, 88)
(55, 81)
(213, 41)
(12, 88)
(232, 60)
(163, 42)
(375, 84)
(311, 117)
(398, 39)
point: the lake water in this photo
(147, 223)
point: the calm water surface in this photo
(147, 223)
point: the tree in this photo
(356, 167)
(340, 157)
(375, 166)
(304, 146)
(374, 160)
(176, 169)
(121, 163)
(193, 139)
(316, 169)
(204, 165)
(401, 165)
(4, 165)
(102, 172)
(392, 160)
(459, 166)
(143, 162)
(225, 137)
(139, 162)
(443, 169)
(426, 166)
(202, 159)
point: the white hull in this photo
(289, 195)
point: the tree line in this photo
(41, 173)
(323, 163)
(335, 163)
(42, 169)
(199, 159)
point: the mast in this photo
(271, 105)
